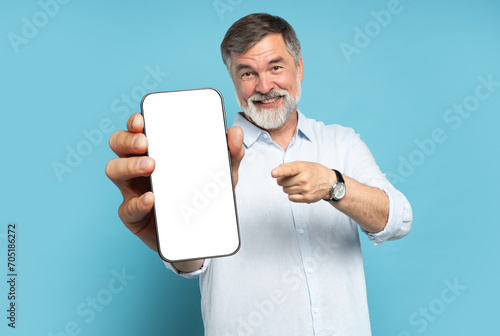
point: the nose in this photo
(264, 84)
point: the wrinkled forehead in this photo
(270, 49)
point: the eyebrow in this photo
(240, 67)
(278, 59)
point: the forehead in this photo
(270, 47)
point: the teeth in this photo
(269, 101)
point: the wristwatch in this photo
(338, 189)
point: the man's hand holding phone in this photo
(130, 172)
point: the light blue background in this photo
(395, 91)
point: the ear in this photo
(232, 59)
(300, 68)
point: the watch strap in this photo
(340, 180)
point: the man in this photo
(299, 270)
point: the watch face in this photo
(339, 191)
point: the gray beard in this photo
(275, 117)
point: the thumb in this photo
(236, 149)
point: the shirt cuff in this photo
(188, 275)
(399, 221)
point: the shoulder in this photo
(322, 131)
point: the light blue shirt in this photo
(299, 270)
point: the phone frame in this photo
(230, 173)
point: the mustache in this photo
(272, 94)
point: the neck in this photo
(283, 134)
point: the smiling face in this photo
(267, 82)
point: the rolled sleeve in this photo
(188, 275)
(366, 171)
(399, 221)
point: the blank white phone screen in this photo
(195, 207)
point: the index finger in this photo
(126, 143)
(135, 123)
(132, 141)
(285, 170)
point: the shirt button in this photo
(301, 231)
(265, 136)
(316, 311)
(309, 271)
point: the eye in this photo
(246, 75)
(277, 68)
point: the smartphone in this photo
(195, 206)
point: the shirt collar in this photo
(304, 127)
(252, 133)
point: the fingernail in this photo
(274, 173)
(145, 199)
(130, 124)
(137, 141)
(143, 162)
(133, 121)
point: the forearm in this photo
(367, 206)
(189, 266)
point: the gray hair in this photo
(249, 30)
